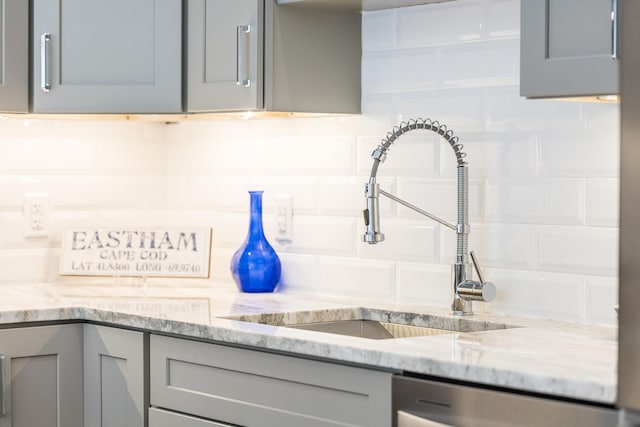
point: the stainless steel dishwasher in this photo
(419, 402)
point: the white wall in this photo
(544, 176)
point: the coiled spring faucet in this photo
(464, 289)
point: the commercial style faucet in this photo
(465, 290)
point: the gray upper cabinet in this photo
(128, 57)
(224, 55)
(256, 55)
(568, 48)
(42, 376)
(14, 52)
(116, 56)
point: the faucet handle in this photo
(477, 291)
(476, 265)
(472, 290)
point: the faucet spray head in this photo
(372, 213)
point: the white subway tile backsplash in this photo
(423, 284)
(316, 155)
(502, 19)
(480, 65)
(221, 265)
(365, 279)
(24, 265)
(355, 277)
(302, 189)
(602, 297)
(224, 193)
(345, 196)
(544, 177)
(11, 234)
(499, 155)
(438, 197)
(539, 294)
(578, 250)
(459, 110)
(505, 246)
(321, 235)
(19, 155)
(295, 275)
(229, 229)
(114, 191)
(415, 154)
(342, 196)
(507, 111)
(381, 29)
(143, 156)
(604, 119)
(536, 201)
(399, 71)
(440, 24)
(382, 106)
(404, 240)
(585, 154)
(603, 201)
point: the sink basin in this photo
(374, 323)
(371, 329)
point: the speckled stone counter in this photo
(550, 357)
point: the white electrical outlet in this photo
(36, 215)
(284, 217)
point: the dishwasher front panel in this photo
(443, 404)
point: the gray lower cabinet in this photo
(162, 418)
(116, 56)
(569, 48)
(256, 55)
(14, 56)
(41, 376)
(113, 377)
(251, 388)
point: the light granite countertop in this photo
(555, 358)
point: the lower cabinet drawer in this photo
(253, 388)
(160, 418)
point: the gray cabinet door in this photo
(253, 388)
(14, 53)
(113, 377)
(224, 55)
(116, 56)
(256, 55)
(568, 48)
(42, 376)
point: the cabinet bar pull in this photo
(3, 387)
(614, 29)
(243, 32)
(45, 66)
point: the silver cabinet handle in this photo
(45, 66)
(243, 32)
(614, 29)
(3, 387)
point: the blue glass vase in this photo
(255, 266)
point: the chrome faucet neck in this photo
(465, 290)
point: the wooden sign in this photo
(138, 252)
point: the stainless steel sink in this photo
(375, 323)
(371, 329)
